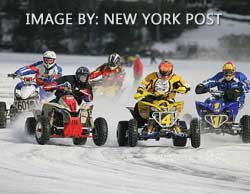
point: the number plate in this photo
(24, 105)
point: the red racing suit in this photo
(107, 75)
(138, 69)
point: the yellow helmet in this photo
(228, 69)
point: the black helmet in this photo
(114, 60)
(84, 72)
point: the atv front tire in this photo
(3, 115)
(43, 130)
(79, 141)
(245, 127)
(30, 125)
(132, 133)
(195, 134)
(100, 131)
(179, 141)
(122, 129)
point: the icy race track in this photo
(221, 165)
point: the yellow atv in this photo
(109, 91)
(162, 121)
(110, 86)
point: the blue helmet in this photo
(82, 74)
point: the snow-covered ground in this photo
(221, 165)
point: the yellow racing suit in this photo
(154, 85)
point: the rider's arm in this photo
(59, 72)
(146, 86)
(97, 74)
(29, 69)
(181, 86)
(244, 82)
(205, 86)
(88, 96)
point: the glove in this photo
(182, 90)
(141, 93)
(233, 94)
(157, 93)
(67, 85)
(201, 89)
(49, 86)
(12, 75)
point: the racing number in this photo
(22, 105)
(166, 120)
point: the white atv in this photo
(26, 98)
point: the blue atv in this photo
(218, 116)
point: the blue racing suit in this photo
(240, 81)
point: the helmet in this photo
(82, 74)
(114, 60)
(49, 59)
(228, 70)
(166, 69)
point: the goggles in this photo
(228, 73)
(83, 78)
(48, 60)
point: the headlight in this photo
(34, 94)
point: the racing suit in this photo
(107, 75)
(138, 69)
(234, 90)
(77, 86)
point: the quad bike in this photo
(162, 121)
(218, 116)
(109, 86)
(67, 119)
(26, 97)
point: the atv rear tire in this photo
(245, 127)
(179, 141)
(3, 115)
(195, 135)
(121, 133)
(132, 133)
(30, 125)
(100, 131)
(79, 141)
(43, 130)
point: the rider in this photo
(231, 82)
(159, 85)
(45, 71)
(137, 68)
(111, 71)
(79, 83)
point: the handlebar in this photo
(211, 91)
(22, 78)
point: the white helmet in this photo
(49, 59)
(114, 60)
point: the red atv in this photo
(67, 119)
